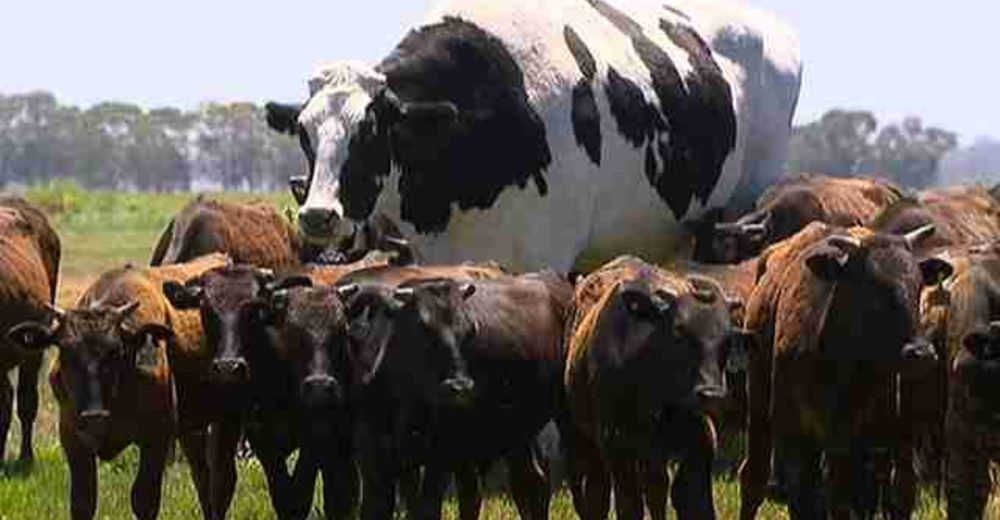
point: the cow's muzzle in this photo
(231, 370)
(318, 225)
(321, 391)
(93, 426)
(918, 358)
(459, 390)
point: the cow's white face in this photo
(340, 94)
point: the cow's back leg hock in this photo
(27, 403)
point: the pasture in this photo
(101, 230)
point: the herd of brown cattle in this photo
(849, 329)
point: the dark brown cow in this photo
(789, 206)
(249, 232)
(647, 349)
(963, 315)
(473, 368)
(29, 267)
(834, 316)
(961, 216)
(119, 349)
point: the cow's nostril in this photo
(231, 367)
(317, 221)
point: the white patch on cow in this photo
(339, 94)
(591, 213)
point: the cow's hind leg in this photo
(279, 483)
(195, 447)
(148, 482)
(968, 486)
(27, 403)
(528, 484)
(805, 478)
(470, 499)
(628, 496)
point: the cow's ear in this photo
(386, 109)
(283, 118)
(183, 297)
(142, 344)
(935, 270)
(299, 186)
(31, 335)
(432, 115)
(827, 264)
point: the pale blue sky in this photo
(936, 59)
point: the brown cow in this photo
(963, 315)
(29, 267)
(113, 379)
(833, 315)
(249, 232)
(789, 206)
(965, 215)
(647, 348)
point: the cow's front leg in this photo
(27, 404)
(83, 473)
(223, 438)
(148, 482)
(528, 484)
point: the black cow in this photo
(453, 375)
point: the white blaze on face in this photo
(340, 92)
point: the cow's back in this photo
(25, 279)
(251, 233)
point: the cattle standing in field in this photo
(834, 316)
(534, 133)
(962, 315)
(646, 353)
(29, 267)
(254, 387)
(451, 376)
(786, 208)
(249, 232)
(965, 215)
(120, 351)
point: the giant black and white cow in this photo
(548, 134)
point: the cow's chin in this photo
(340, 236)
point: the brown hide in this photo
(249, 232)
(842, 201)
(961, 216)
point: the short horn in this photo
(347, 291)
(403, 294)
(913, 238)
(728, 227)
(126, 310)
(705, 289)
(55, 311)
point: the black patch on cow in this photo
(497, 140)
(700, 123)
(585, 115)
(638, 120)
(366, 167)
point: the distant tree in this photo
(978, 163)
(845, 143)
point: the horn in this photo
(847, 244)
(126, 310)
(727, 227)
(56, 311)
(347, 291)
(403, 294)
(754, 229)
(917, 235)
(704, 289)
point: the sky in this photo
(933, 59)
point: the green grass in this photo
(101, 230)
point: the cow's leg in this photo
(628, 495)
(805, 477)
(867, 462)
(340, 484)
(903, 437)
(279, 483)
(692, 491)
(656, 487)
(195, 446)
(968, 485)
(303, 483)
(27, 403)
(596, 488)
(528, 484)
(756, 468)
(838, 484)
(83, 473)
(6, 411)
(223, 438)
(148, 482)
(470, 499)
(379, 470)
(435, 483)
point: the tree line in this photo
(121, 146)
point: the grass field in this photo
(102, 230)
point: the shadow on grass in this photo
(16, 469)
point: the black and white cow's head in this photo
(447, 109)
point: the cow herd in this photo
(861, 322)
